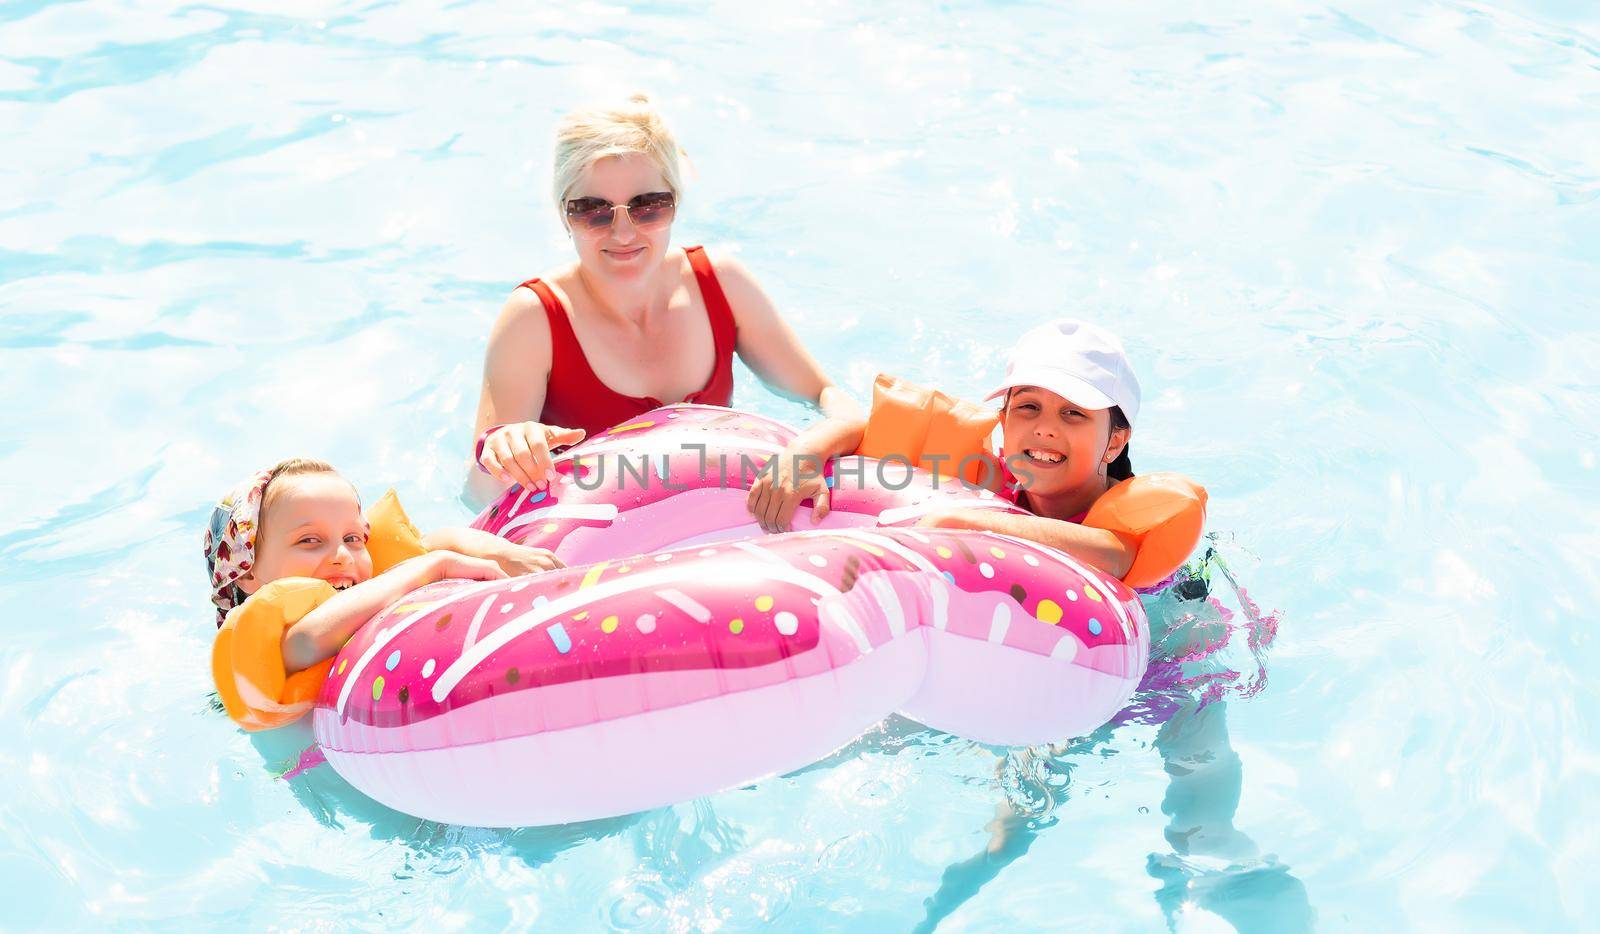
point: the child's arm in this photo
(1107, 551)
(324, 630)
(514, 559)
(775, 495)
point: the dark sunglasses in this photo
(595, 216)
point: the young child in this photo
(1070, 400)
(300, 524)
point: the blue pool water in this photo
(1352, 248)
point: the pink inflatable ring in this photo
(635, 682)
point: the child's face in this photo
(1063, 445)
(311, 527)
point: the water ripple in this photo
(1350, 249)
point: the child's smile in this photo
(1063, 448)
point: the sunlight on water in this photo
(1352, 251)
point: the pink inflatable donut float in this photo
(636, 682)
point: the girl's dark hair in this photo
(1122, 467)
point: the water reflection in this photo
(1211, 864)
(1204, 651)
(437, 848)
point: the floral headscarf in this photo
(231, 540)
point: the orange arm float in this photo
(1163, 515)
(247, 656)
(936, 432)
(391, 538)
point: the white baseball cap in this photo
(1081, 362)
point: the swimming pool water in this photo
(1352, 249)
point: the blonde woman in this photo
(634, 322)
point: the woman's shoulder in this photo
(522, 320)
(746, 299)
(527, 307)
(559, 280)
(728, 268)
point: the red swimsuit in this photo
(576, 398)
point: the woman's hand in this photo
(793, 475)
(799, 472)
(520, 453)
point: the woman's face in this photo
(625, 250)
(1064, 446)
(311, 526)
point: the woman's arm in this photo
(832, 437)
(837, 404)
(774, 353)
(324, 630)
(516, 373)
(1105, 550)
(514, 559)
(771, 348)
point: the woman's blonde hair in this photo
(634, 126)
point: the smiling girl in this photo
(1070, 399)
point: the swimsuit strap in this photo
(575, 396)
(724, 330)
(560, 325)
(566, 354)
